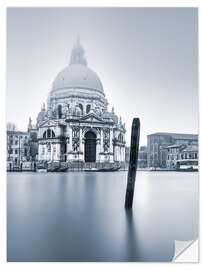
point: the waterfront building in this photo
(76, 125)
(157, 144)
(182, 155)
(17, 146)
(22, 147)
(18, 149)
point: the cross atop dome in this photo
(78, 54)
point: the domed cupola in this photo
(77, 76)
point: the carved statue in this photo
(75, 138)
(106, 146)
(106, 139)
(76, 144)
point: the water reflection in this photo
(81, 216)
(130, 237)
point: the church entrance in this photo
(90, 147)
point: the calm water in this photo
(80, 216)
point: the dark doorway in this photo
(90, 147)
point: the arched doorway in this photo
(90, 147)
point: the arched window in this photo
(81, 108)
(53, 134)
(88, 108)
(48, 133)
(59, 111)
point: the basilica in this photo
(75, 124)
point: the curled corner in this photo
(186, 251)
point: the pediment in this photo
(48, 123)
(92, 117)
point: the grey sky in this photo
(146, 59)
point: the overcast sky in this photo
(146, 59)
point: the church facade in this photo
(76, 125)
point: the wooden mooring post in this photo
(134, 148)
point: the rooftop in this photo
(16, 132)
(177, 135)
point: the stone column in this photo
(111, 140)
(45, 152)
(124, 153)
(48, 154)
(97, 150)
(52, 152)
(82, 146)
(101, 141)
(121, 154)
(58, 151)
(67, 141)
(70, 144)
(39, 151)
(116, 153)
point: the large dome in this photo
(77, 75)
